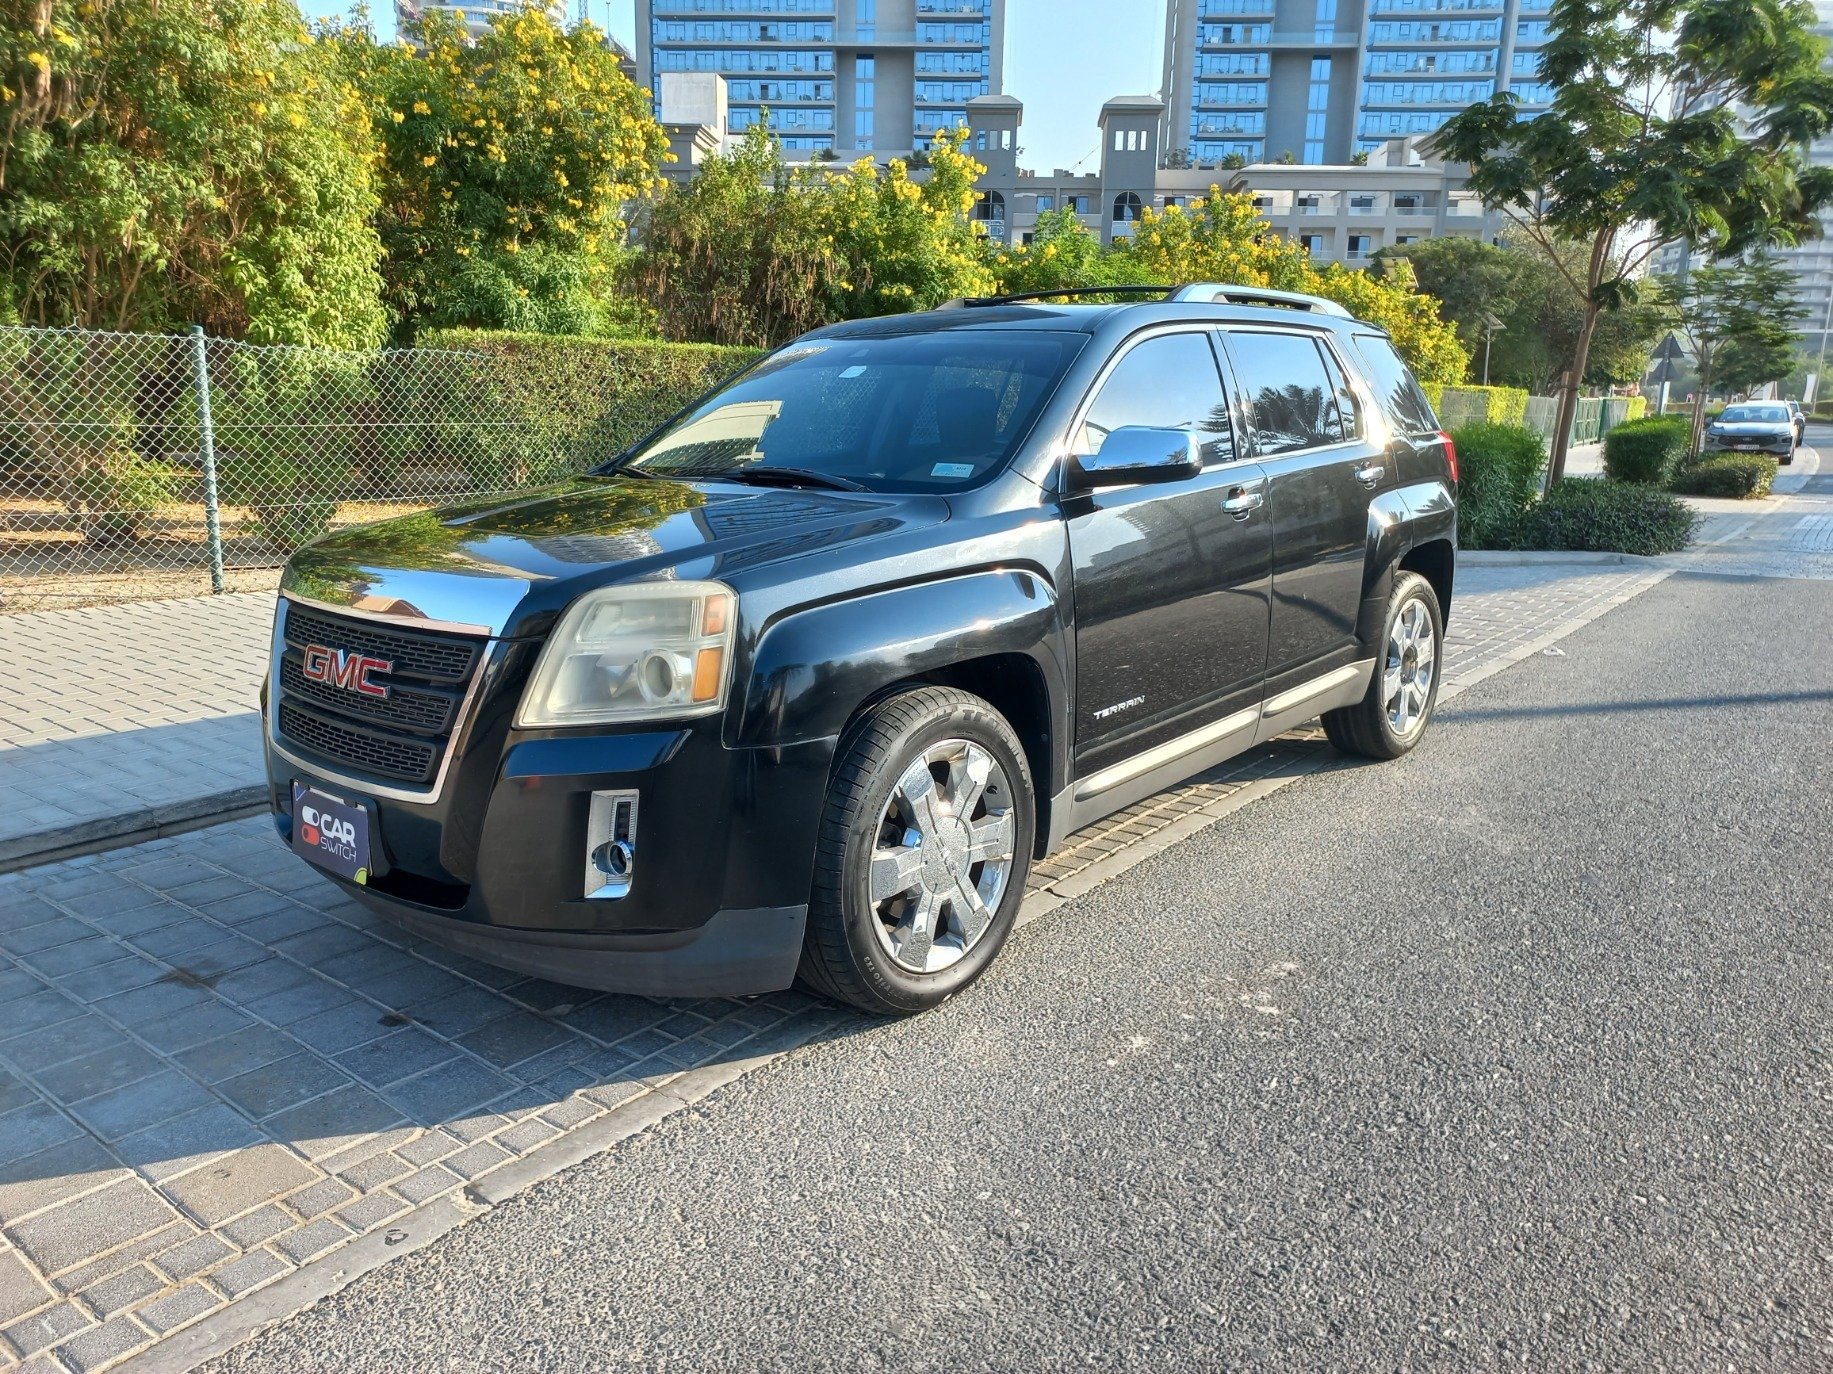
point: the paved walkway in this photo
(128, 720)
(224, 1086)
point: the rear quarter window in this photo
(1392, 381)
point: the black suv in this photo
(801, 684)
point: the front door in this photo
(1305, 430)
(1170, 588)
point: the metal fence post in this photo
(213, 519)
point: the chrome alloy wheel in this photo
(1412, 659)
(943, 856)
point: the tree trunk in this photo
(1568, 399)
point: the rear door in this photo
(1170, 587)
(1306, 430)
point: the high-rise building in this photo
(476, 14)
(1317, 81)
(847, 77)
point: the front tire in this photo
(1392, 717)
(924, 848)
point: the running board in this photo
(1120, 785)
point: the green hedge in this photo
(1735, 475)
(1476, 405)
(1645, 451)
(579, 401)
(1499, 471)
(1606, 517)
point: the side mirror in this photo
(1138, 453)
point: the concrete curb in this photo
(1523, 558)
(130, 827)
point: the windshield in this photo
(1751, 415)
(908, 412)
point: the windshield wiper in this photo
(789, 477)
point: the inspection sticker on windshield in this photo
(952, 470)
(856, 370)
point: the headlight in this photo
(649, 650)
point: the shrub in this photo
(1645, 451)
(1476, 405)
(532, 408)
(1582, 513)
(114, 496)
(1736, 475)
(1499, 468)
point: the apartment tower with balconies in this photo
(1318, 81)
(849, 78)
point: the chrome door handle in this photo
(1371, 473)
(1240, 503)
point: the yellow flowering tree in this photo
(755, 250)
(1224, 238)
(167, 162)
(904, 244)
(505, 164)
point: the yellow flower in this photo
(421, 107)
(428, 160)
(398, 116)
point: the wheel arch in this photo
(1436, 561)
(996, 633)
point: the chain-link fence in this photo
(155, 465)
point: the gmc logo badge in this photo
(341, 668)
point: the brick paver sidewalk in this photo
(219, 1076)
(128, 720)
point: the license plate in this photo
(1743, 443)
(331, 832)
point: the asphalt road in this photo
(1512, 1054)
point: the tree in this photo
(1224, 238)
(755, 250)
(1739, 319)
(1670, 120)
(167, 162)
(1541, 312)
(505, 166)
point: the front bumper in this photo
(494, 865)
(1775, 446)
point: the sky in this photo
(1064, 59)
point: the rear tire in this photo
(1392, 717)
(921, 860)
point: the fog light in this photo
(610, 845)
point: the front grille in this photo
(427, 654)
(424, 712)
(402, 737)
(367, 751)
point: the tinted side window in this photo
(1290, 396)
(1168, 382)
(1406, 405)
(1348, 407)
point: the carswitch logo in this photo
(329, 833)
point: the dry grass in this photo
(47, 564)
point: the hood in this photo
(481, 564)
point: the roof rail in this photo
(1257, 295)
(1060, 292)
